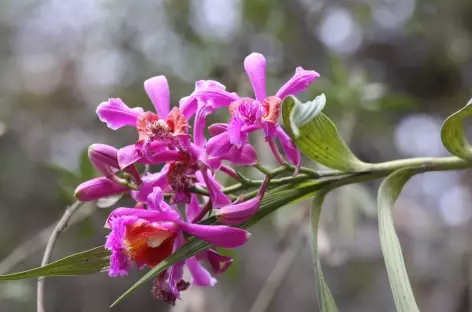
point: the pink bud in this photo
(105, 159)
(97, 188)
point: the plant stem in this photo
(61, 225)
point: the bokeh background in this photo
(392, 70)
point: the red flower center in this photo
(147, 243)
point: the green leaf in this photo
(388, 193)
(87, 170)
(82, 263)
(275, 199)
(303, 113)
(325, 298)
(316, 135)
(452, 133)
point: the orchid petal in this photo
(255, 65)
(116, 114)
(97, 188)
(299, 82)
(219, 263)
(192, 209)
(238, 213)
(291, 151)
(155, 199)
(176, 272)
(237, 135)
(149, 182)
(119, 261)
(200, 276)
(217, 128)
(128, 155)
(157, 89)
(218, 97)
(219, 235)
(199, 124)
(244, 156)
(218, 145)
(218, 198)
(166, 219)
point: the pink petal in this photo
(244, 156)
(255, 65)
(238, 213)
(291, 151)
(237, 135)
(299, 82)
(155, 199)
(157, 89)
(217, 128)
(218, 145)
(199, 124)
(176, 272)
(200, 276)
(149, 182)
(189, 104)
(192, 209)
(128, 155)
(219, 263)
(166, 220)
(219, 235)
(97, 188)
(116, 114)
(218, 198)
(218, 97)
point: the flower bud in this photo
(97, 188)
(105, 159)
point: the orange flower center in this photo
(271, 106)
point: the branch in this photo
(61, 225)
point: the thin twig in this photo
(280, 271)
(60, 226)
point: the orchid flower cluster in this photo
(146, 234)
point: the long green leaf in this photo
(452, 133)
(274, 200)
(316, 135)
(82, 263)
(325, 298)
(388, 193)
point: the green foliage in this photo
(317, 136)
(452, 133)
(399, 282)
(82, 263)
(325, 298)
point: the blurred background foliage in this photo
(392, 70)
